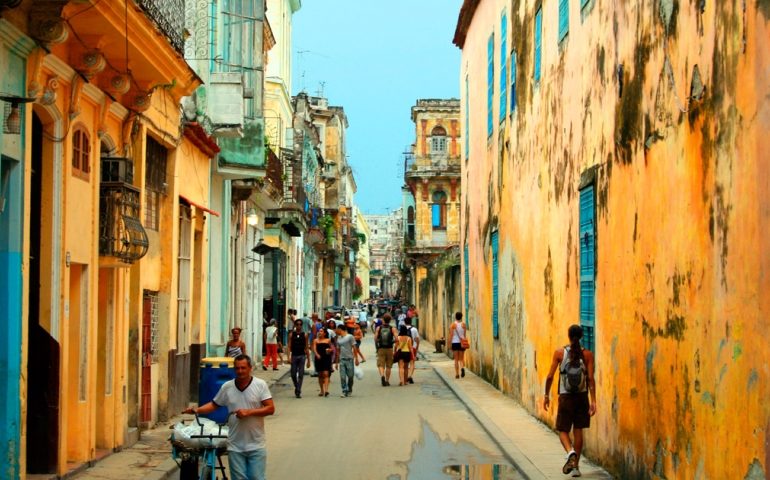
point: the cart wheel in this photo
(189, 469)
(206, 473)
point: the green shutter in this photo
(495, 283)
(538, 42)
(563, 18)
(587, 266)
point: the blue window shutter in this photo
(465, 255)
(503, 66)
(436, 215)
(563, 18)
(538, 29)
(583, 3)
(587, 266)
(495, 283)
(490, 81)
(513, 81)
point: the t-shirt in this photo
(307, 325)
(248, 433)
(272, 336)
(415, 335)
(345, 345)
(362, 317)
(401, 320)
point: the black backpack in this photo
(573, 375)
(386, 337)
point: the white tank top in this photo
(456, 336)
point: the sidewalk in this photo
(150, 458)
(527, 443)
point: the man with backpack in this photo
(384, 338)
(576, 380)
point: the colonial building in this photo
(614, 177)
(103, 225)
(432, 175)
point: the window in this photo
(563, 18)
(538, 41)
(503, 67)
(587, 269)
(439, 210)
(438, 139)
(242, 45)
(490, 81)
(81, 154)
(513, 81)
(154, 181)
(495, 283)
(184, 280)
(467, 122)
(465, 259)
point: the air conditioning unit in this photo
(329, 171)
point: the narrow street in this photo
(415, 431)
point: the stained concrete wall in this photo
(438, 300)
(683, 213)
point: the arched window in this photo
(438, 139)
(81, 154)
(410, 215)
(439, 210)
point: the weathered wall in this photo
(683, 211)
(438, 300)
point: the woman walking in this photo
(404, 353)
(271, 342)
(358, 335)
(458, 332)
(331, 328)
(322, 348)
(236, 346)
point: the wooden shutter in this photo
(503, 66)
(495, 316)
(587, 267)
(538, 42)
(563, 18)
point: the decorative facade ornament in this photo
(119, 84)
(105, 108)
(76, 93)
(91, 63)
(46, 24)
(140, 102)
(425, 183)
(453, 188)
(35, 63)
(50, 94)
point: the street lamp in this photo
(251, 218)
(12, 123)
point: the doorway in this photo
(43, 358)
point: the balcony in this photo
(168, 17)
(434, 170)
(243, 157)
(122, 238)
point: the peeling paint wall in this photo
(438, 300)
(662, 106)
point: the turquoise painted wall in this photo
(13, 81)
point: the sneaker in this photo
(462, 372)
(264, 367)
(350, 392)
(576, 472)
(382, 379)
(569, 464)
(343, 396)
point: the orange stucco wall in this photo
(683, 217)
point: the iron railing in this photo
(274, 170)
(121, 233)
(168, 16)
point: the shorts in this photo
(573, 412)
(385, 357)
(358, 344)
(457, 347)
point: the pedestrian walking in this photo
(459, 333)
(271, 343)
(415, 346)
(403, 353)
(317, 325)
(322, 349)
(332, 329)
(347, 350)
(298, 354)
(251, 401)
(384, 339)
(358, 334)
(236, 346)
(576, 380)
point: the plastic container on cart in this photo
(215, 371)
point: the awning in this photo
(199, 207)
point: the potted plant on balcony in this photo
(327, 225)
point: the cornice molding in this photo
(59, 67)
(15, 39)
(119, 110)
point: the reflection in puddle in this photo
(433, 457)
(482, 472)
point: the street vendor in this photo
(249, 398)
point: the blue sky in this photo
(376, 59)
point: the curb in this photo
(168, 467)
(509, 449)
(162, 471)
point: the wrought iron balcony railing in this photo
(274, 170)
(121, 233)
(168, 16)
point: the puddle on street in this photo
(433, 457)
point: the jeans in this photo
(248, 465)
(347, 375)
(272, 351)
(297, 372)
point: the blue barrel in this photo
(214, 373)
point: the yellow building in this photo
(614, 177)
(432, 175)
(114, 250)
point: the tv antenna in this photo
(320, 91)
